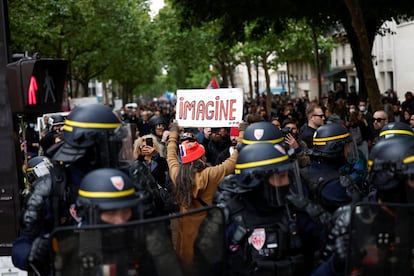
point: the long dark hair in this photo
(183, 191)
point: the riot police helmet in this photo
(107, 189)
(57, 120)
(330, 140)
(258, 166)
(37, 167)
(391, 161)
(261, 132)
(94, 131)
(395, 129)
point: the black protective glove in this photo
(316, 212)
(339, 237)
(39, 255)
(340, 230)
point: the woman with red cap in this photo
(195, 184)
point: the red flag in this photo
(213, 84)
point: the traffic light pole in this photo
(10, 148)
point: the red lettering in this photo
(232, 109)
(189, 106)
(217, 107)
(209, 111)
(200, 111)
(181, 108)
(223, 109)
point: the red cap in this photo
(234, 131)
(191, 151)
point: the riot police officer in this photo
(382, 213)
(390, 167)
(109, 196)
(93, 138)
(262, 228)
(336, 174)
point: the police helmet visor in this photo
(68, 154)
(351, 151)
(276, 196)
(252, 178)
(115, 148)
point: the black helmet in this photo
(329, 140)
(58, 120)
(93, 131)
(37, 167)
(262, 132)
(107, 189)
(390, 161)
(255, 165)
(395, 129)
(85, 121)
(258, 159)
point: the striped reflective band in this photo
(70, 124)
(396, 131)
(261, 163)
(106, 194)
(323, 141)
(409, 159)
(274, 141)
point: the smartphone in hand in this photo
(149, 142)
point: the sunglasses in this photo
(319, 115)
(378, 120)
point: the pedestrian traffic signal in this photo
(36, 85)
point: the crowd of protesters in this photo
(191, 163)
(337, 106)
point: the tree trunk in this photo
(230, 74)
(317, 62)
(361, 34)
(249, 75)
(105, 93)
(288, 79)
(267, 78)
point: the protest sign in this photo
(209, 108)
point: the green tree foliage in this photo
(186, 53)
(102, 39)
(319, 12)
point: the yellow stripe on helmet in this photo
(396, 131)
(250, 142)
(106, 194)
(69, 123)
(323, 141)
(261, 163)
(408, 159)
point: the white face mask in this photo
(362, 108)
(352, 110)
